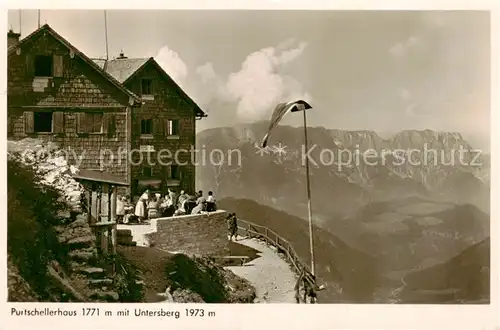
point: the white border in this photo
(277, 315)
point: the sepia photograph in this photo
(248, 157)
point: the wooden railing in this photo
(252, 230)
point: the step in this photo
(124, 232)
(94, 272)
(133, 243)
(99, 283)
(81, 255)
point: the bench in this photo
(243, 259)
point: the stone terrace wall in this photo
(192, 234)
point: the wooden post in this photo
(114, 238)
(104, 205)
(89, 205)
(109, 203)
(104, 239)
(113, 204)
(98, 202)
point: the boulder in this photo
(110, 296)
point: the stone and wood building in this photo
(108, 115)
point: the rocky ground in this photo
(83, 276)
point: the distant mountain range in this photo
(277, 177)
(395, 214)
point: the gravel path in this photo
(271, 276)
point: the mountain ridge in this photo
(349, 184)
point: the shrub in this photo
(32, 210)
(127, 279)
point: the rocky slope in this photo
(50, 246)
(348, 168)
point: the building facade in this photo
(163, 128)
(56, 93)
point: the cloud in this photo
(405, 94)
(172, 63)
(430, 23)
(259, 86)
(254, 90)
(410, 110)
(402, 48)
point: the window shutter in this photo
(29, 122)
(81, 126)
(58, 66)
(111, 126)
(165, 127)
(137, 126)
(178, 127)
(159, 127)
(9, 125)
(105, 123)
(58, 122)
(30, 65)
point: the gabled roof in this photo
(92, 64)
(124, 69)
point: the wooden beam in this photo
(71, 107)
(89, 205)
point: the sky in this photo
(360, 70)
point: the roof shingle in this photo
(122, 68)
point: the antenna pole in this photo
(38, 18)
(106, 34)
(20, 25)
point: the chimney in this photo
(12, 38)
(122, 55)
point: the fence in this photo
(246, 228)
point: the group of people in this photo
(153, 205)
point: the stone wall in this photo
(201, 234)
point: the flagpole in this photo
(311, 240)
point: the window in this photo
(94, 122)
(147, 172)
(147, 86)
(43, 66)
(42, 122)
(174, 172)
(147, 126)
(173, 127)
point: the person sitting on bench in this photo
(211, 206)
